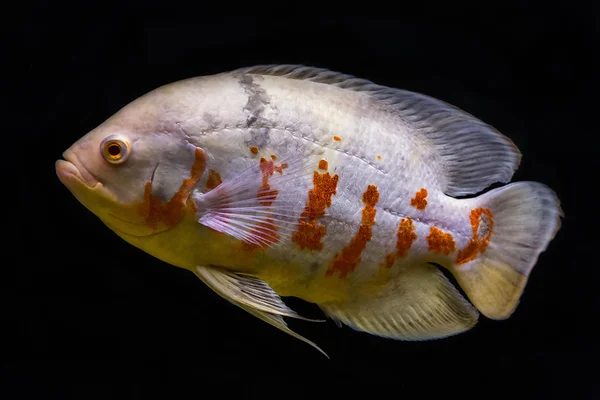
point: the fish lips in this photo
(81, 183)
(71, 170)
(99, 199)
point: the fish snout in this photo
(72, 169)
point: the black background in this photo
(89, 316)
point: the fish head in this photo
(128, 167)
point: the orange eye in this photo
(115, 149)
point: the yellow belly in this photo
(189, 244)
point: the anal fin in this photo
(253, 295)
(419, 304)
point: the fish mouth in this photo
(97, 198)
(71, 170)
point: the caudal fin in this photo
(512, 226)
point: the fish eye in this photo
(115, 149)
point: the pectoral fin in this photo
(419, 304)
(251, 206)
(253, 295)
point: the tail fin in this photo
(524, 218)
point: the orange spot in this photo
(419, 200)
(406, 236)
(266, 196)
(350, 257)
(379, 157)
(214, 179)
(310, 233)
(254, 149)
(268, 168)
(440, 242)
(323, 165)
(469, 253)
(273, 157)
(337, 138)
(171, 212)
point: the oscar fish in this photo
(288, 180)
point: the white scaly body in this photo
(374, 139)
(303, 117)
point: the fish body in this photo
(277, 181)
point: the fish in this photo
(273, 181)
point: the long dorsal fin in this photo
(473, 153)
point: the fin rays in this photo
(250, 207)
(253, 295)
(419, 304)
(455, 135)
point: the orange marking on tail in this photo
(323, 165)
(379, 157)
(469, 253)
(273, 157)
(266, 230)
(254, 149)
(475, 219)
(440, 242)
(310, 233)
(171, 212)
(419, 200)
(347, 261)
(214, 179)
(337, 138)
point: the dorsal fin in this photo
(474, 154)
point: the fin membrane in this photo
(526, 217)
(472, 154)
(252, 206)
(419, 304)
(253, 295)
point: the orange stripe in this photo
(310, 233)
(171, 212)
(406, 236)
(267, 168)
(346, 261)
